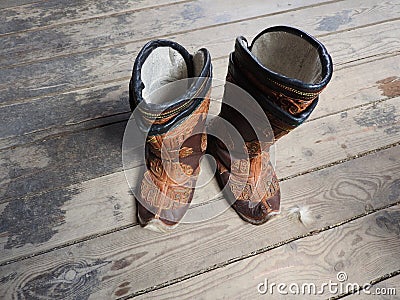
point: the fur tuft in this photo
(301, 214)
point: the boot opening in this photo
(163, 66)
(289, 55)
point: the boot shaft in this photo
(169, 95)
(285, 70)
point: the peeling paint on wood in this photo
(70, 141)
(34, 221)
(64, 110)
(331, 187)
(56, 12)
(332, 23)
(69, 159)
(385, 116)
(84, 209)
(390, 86)
(131, 26)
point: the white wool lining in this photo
(163, 66)
(198, 63)
(289, 55)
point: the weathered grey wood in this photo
(68, 187)
(364, 250)
(135, 26)
(134, 259)
(357, 85)
(14, 3)
(320, 19)
(68, 159)
(105, 202)
(98, 106)
(57, 163)
(83, 109)
(95, 68)
(322, 141)
(60, 161)
(52, 12)
(55, 217)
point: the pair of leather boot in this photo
(284, 70)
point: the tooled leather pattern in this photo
(251, 179)
(279, 127)
(173, 167)
(292, 105)
(261, 181)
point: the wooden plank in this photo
(83, 109)
(102, 105)
(60, 161)
(321, 19)
(14, 3)
(22, 83)
(364, 249)
(357, 85)
(52, 12)
(135, 26)
(337, 137)
(93, 207)
(55, 217)
(130, 260)
(64, 160)
(44, 167)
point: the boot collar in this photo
(179, 107)
(244, 58)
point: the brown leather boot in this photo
(284, 70)
(176, 138)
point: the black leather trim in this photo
(136, 85)
(246, 59)
(199, 87)
(264, 100)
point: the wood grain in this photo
(324, 18)
(365, 249)
(99, 106)
(84, 155)
(336, 137)
(83, 70)
(15, 3)
(60, 161)
(137, 259)
(52, 12)
(135, 26)
(68, 226)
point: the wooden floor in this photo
(68, 227)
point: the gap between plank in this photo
(25, 4)
(182, 32)
(361, 154)
(253, 253)
(340, 161)
(66, 132)
(343, 65)
(97, 235)
(91, 18)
